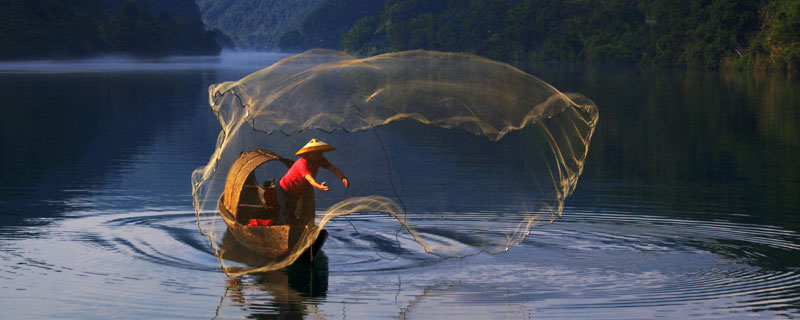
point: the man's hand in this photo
(314, 183)
(339, 175)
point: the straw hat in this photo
(314, 145)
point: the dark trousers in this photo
(288, 205)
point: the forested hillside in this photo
(186, 8)
(735, 34)
(57, 29)
(256, 24)
(699, 33)
(325, 25)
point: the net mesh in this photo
(391, 116)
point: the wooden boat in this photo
(243, 199)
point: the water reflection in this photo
(69, 133)
(291, 293)
(687, 209)
(732, 137)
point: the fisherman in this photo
(301, 174)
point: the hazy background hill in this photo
(186, 8)
(255, 24)
(286, 25)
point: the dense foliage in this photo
(31, 29)
(703, 33)
(186, 8)
(325, 25)
(777, 44)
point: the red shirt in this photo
(293, 182)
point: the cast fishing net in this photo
(464, 153)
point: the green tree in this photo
(697, 33)
(360, 39)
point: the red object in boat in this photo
(259, 222)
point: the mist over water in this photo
(686, 207)
(227, 60)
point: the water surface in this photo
(687, 207)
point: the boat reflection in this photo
(290, 293)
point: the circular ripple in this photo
(669, 264)
(588, 264)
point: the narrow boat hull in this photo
(272, 241)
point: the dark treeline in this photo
(37, 29)
(736, 34)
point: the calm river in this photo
(689, 206)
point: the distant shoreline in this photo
(234, 58)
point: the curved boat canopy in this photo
(241, 170)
